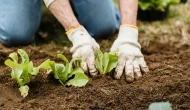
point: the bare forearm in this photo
(128, 10)
(62, 10)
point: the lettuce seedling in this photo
(105, 62)
(22, 72)
(160, 106)
(66, 74)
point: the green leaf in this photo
(14, 57)
(26, 74)
(45, 64)
(24, 56)
(24, 90)
(98, 60)
(59, 73)
(106, 62)
(160, 106)
(17, 71)
(20, 82)
(156, 4)
(145, 6)
(29, 67)
(52, 66)
(67, 69)
(35, 71)
(9, 63)
(63, 58)
(79, 80)
(113, 60)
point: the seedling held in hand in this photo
(105, 62)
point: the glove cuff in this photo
(80, 37)
(72, 29)
(78, 33)
(48, 2)
(128, 34)
(128, 25)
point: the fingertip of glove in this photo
(116, 76)
(94, 74)
(129, 79)
(145, 70)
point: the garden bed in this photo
(168, 80)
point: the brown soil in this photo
(168, 80)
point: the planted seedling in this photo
(67, 74)
(22, 72)
(105, 62)
(160, 106)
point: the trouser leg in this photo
(19, 20)
(100, 17)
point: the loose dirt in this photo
(168, 80)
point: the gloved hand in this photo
(130, 57)
(84, 47)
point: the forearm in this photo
(62, 10)
(128, 10)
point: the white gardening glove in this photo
(84, 47)
(131, 60)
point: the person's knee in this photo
(16, 39)
(19, 22)
(21, 33)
